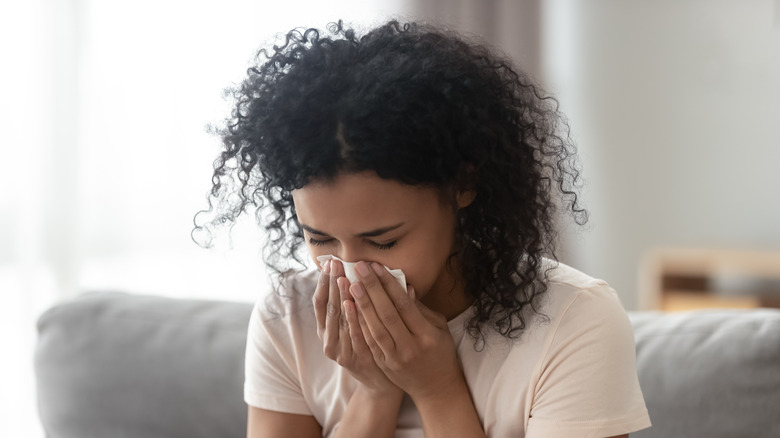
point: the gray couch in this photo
(120, 365)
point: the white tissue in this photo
(349, 270)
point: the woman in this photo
(411, 149)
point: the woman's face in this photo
(360, 216)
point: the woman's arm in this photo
(450, 414)
(271, 424)
(370, 415)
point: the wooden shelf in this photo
(678, 301)
(676, 279)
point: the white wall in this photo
(676, 109)
(510, 26)
(105, 158)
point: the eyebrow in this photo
(372, 233)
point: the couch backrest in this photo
(121, 365)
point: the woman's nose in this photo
(352, 255)
(349, 256)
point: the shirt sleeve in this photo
(587, 383)
(271, 379)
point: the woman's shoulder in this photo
(563, 279)
(562, 275)
(573, 294)
(582, 309)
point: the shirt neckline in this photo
(457, 325)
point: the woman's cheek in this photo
(418, 281)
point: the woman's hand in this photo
(411, 343)
(395, 343)
(344, 342)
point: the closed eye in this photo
(377, 245)
(317, 242)
(383, 246)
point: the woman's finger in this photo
(333, 311)
(373, 347)
(359, 345)
(375, 324)
(410, 317)
(344, 333)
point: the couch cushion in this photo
(120, 365)
(710, 373)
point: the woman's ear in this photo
(464, 198)
(466, 192)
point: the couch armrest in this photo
(121, 365)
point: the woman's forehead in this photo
(359, 187)
(360, 200)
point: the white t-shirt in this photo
(572, 374)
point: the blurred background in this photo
(674, 105)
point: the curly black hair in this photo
(419, 105)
